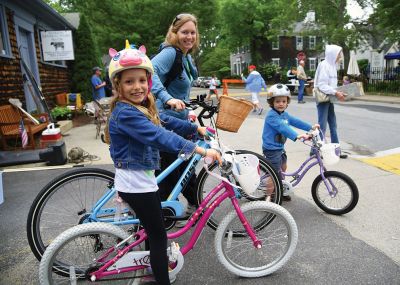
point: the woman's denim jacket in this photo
(136, 141)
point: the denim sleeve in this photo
(162, 64)
(181, 127)
(134, 124)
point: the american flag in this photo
(23, 133)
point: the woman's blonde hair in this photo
(172, 37)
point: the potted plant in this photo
(61, 113)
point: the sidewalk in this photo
(369, 98)
(379, 98)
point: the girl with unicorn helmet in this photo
(137, 133)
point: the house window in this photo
(299, 43)
(276, 61)
(5, 49)
(312, 63)
(297, 61)
(311, 42)
(54, 62)
(275, 44)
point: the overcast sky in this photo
(355, 11)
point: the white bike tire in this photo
(45, 268)
(245, 271)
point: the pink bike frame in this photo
(208, 205)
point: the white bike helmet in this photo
(278, 90)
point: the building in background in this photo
(21, 26)
(285, 50)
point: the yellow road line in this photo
(389, 163)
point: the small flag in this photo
(23, 133)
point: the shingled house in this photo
(21, 23)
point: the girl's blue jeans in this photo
(326, 116)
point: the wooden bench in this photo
(10, 118)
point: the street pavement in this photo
(361, 247)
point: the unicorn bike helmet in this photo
(278, 90)
(130, 58)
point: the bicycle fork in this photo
(256, 242)
(330, 186)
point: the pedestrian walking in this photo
(254, 84)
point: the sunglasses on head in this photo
(179, 17)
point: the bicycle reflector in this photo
(247, 172)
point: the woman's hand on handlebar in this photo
(176, 104)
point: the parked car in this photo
(196, 83)
(205, 82)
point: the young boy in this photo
(277, 128)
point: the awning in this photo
(393, 55)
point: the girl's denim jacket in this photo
(136, 141)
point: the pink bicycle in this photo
(254, 239)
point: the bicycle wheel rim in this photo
(279, 240)
(79, 252)
(59, 207)
(344, 197)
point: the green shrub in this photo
(61, 112)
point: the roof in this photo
(72, 18)
(45, 13)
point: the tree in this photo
(252, 22)
(386, 18)
(216, 59)
(86, 57)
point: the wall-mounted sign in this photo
(57, 45)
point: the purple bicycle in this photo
(332, 191)
(102, 251)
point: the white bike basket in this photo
(330, 153)
(247, 172)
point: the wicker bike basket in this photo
(232, 112)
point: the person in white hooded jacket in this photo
(326, 81)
